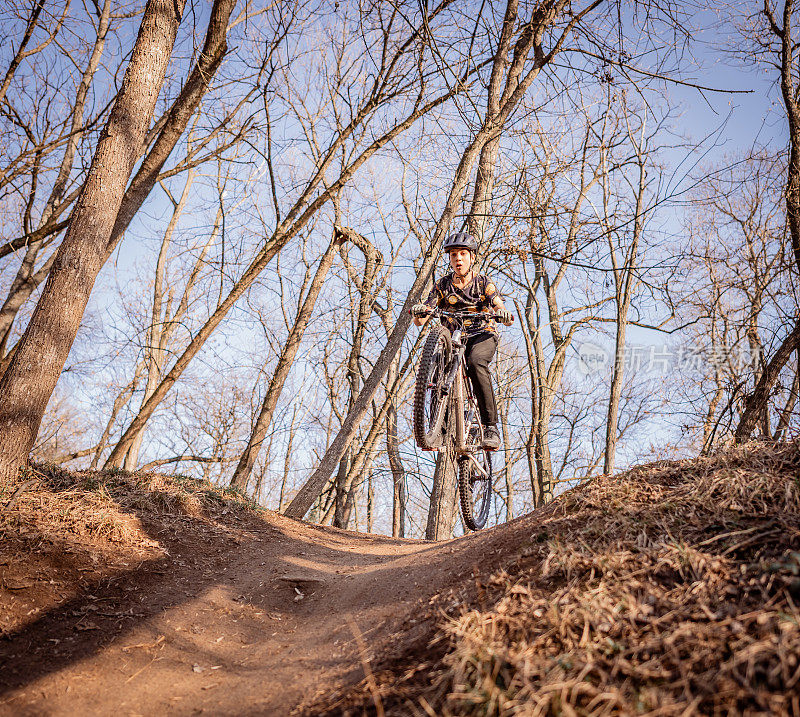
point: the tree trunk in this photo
(395, 462)
(373, 258)
(515, 89)
(544, 463)
(34, 370)
(442, 509)
(612, 413)
(507, 478)
(370, 500)
(284, 366)
(342, 489)
(625, 285)
(785, 415)
(758, 401)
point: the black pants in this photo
(480, 351)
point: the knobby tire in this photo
(475, 513)
(429, 404)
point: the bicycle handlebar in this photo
(435, 311)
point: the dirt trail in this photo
(255, 616)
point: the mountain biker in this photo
(465, 290)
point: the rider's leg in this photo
(480, 351)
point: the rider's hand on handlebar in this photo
(505, 317)
(420, 311)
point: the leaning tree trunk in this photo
(757, 402)
(33, 372)
(518, 79)
(284, 365)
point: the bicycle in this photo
(443, 390)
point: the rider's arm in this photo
(496, 302)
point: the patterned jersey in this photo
(477, 296)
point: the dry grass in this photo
(672, 589)
(102, 508)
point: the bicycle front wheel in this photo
(430, 401)
(475, 487)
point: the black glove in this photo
(419, 311)
(504, 316)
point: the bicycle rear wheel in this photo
(430, 402)
(475, 486)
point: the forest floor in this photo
(673, 588)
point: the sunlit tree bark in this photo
(31, 376)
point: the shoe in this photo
(491, 438)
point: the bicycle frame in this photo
(463, 391)
(462, 398)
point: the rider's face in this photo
(461, 261)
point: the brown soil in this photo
(671, 589)
(123, 596)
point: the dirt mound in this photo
(143, 595)
(671, 589)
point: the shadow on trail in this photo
(212, 551)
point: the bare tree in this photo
(80, 257)
(365, 287)
(514, 79)
(29, 276)
(284, 365)
(738, 288)
(160, 140)
(624, 258)
(774, 40)
(552, 194)
(395, 78)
